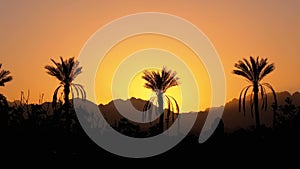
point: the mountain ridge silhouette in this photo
(232, 118)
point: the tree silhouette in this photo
(4, 78)
(159, 82)
(66, 72)
(287, 114)
(254, 71)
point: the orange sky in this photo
(124, 64)
(33, 31)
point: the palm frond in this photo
(261, 65)
(242, 67)
(169, 108)
(5, 80)
(171, 81)
(4, 76)
(54, 72)
(147, 109)
(4, 73)
(79, 89)
(264, 97)
(244, 99)
(241, 73)
(266, 71)
(149, 86)
(177, 106)
(76, 72)
(254, 67)
(59, 68)
(249, 67)
(240, 97)
(54, 99)
(273, 92)
(151, 83)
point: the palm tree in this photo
(66, 72)
(160, 82)
(4, 76)
(254, 71)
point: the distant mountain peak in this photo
(296, 94)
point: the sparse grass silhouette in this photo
(254, 71)
(159, 82)
(66, 71)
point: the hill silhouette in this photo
(47, 137)
(232, 118)
(112, 115)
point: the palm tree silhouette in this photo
(4, 78)
(66, 72)
(160, 82)
(254, 71)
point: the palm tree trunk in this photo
(257, 119)
(67, 105)
(161, 110)
(274, 115)
(3, 110)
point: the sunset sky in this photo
(34, 31)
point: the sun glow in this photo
(119, 74)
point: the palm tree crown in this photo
(254, 71)
(160, 82)
(4, 76)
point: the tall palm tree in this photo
(254, 71)
(66, 71)
(4, 76)
(159, 82)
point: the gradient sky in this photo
(34, 31)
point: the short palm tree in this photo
(4, 78)
(66, 71)
(159, 82)
(254, 71)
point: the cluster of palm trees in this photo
(254, 70)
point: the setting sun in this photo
(119, 73)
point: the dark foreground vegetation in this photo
(35, 134)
